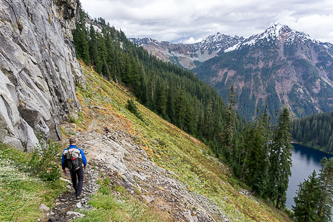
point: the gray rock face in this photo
(38, 69)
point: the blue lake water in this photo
(305, 160)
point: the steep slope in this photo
(138, 171)
(38, 70)
(187, 55)
(282, 66)
(158, 171)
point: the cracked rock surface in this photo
(38, 70)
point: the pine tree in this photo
(171, 110)
(84, 41)
(161, 99)
(92, 44)
(307, 199)
(258, 161)
(229, 125)
(260, 177)
(280, 160)
(181, 106)
(326, 185)
(208, 123)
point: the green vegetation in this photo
(174, 150)
(110, 206)
(261, 156)
(314, 131)
(22, 189)
(280, 160)
(133, 109)
(315, 195)
(180, 98)
(173, 93)
(44, 161)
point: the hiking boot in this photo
(78, 197)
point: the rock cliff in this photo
(38, 69)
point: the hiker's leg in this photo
(80, 181)
(74, 180)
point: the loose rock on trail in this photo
(66, 204)
(115, 154)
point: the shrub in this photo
(133, 109)
(44, 161)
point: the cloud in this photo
(317, 26)
(192, 40)
(191, 20)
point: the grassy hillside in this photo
(183, 156)
(170, 148)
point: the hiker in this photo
(72, 158)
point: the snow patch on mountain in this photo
(275, 32)
(187, 54)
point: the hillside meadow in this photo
(189, 160)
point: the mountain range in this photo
(189, 55)
(281, 67)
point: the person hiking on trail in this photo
(72, 158)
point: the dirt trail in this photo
(66, 203)
(116, 154)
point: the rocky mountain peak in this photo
(286, 34)
(187, 54)
(276, 32)
(220, 38)
(286, 66)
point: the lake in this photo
(305, 160)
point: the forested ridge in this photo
(167, 89)
(258, 152)
(315, 131)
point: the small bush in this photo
(137, 191)
(44, 161)
(105, 187)
(120, 189)
(133, 109)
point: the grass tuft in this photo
(22, 192)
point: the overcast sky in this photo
(189, 21)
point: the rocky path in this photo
(67, 204)
(116, 154)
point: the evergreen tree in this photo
(315, 131)
(208, 123)
(191, 115)
(161, 99)
(80, 39)
(171, 112)
(134, 109)
(92, 45)
(307, 199)
(181, 108)
(258, 162)
(326, 185)
(280, 160)
(229, 125)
